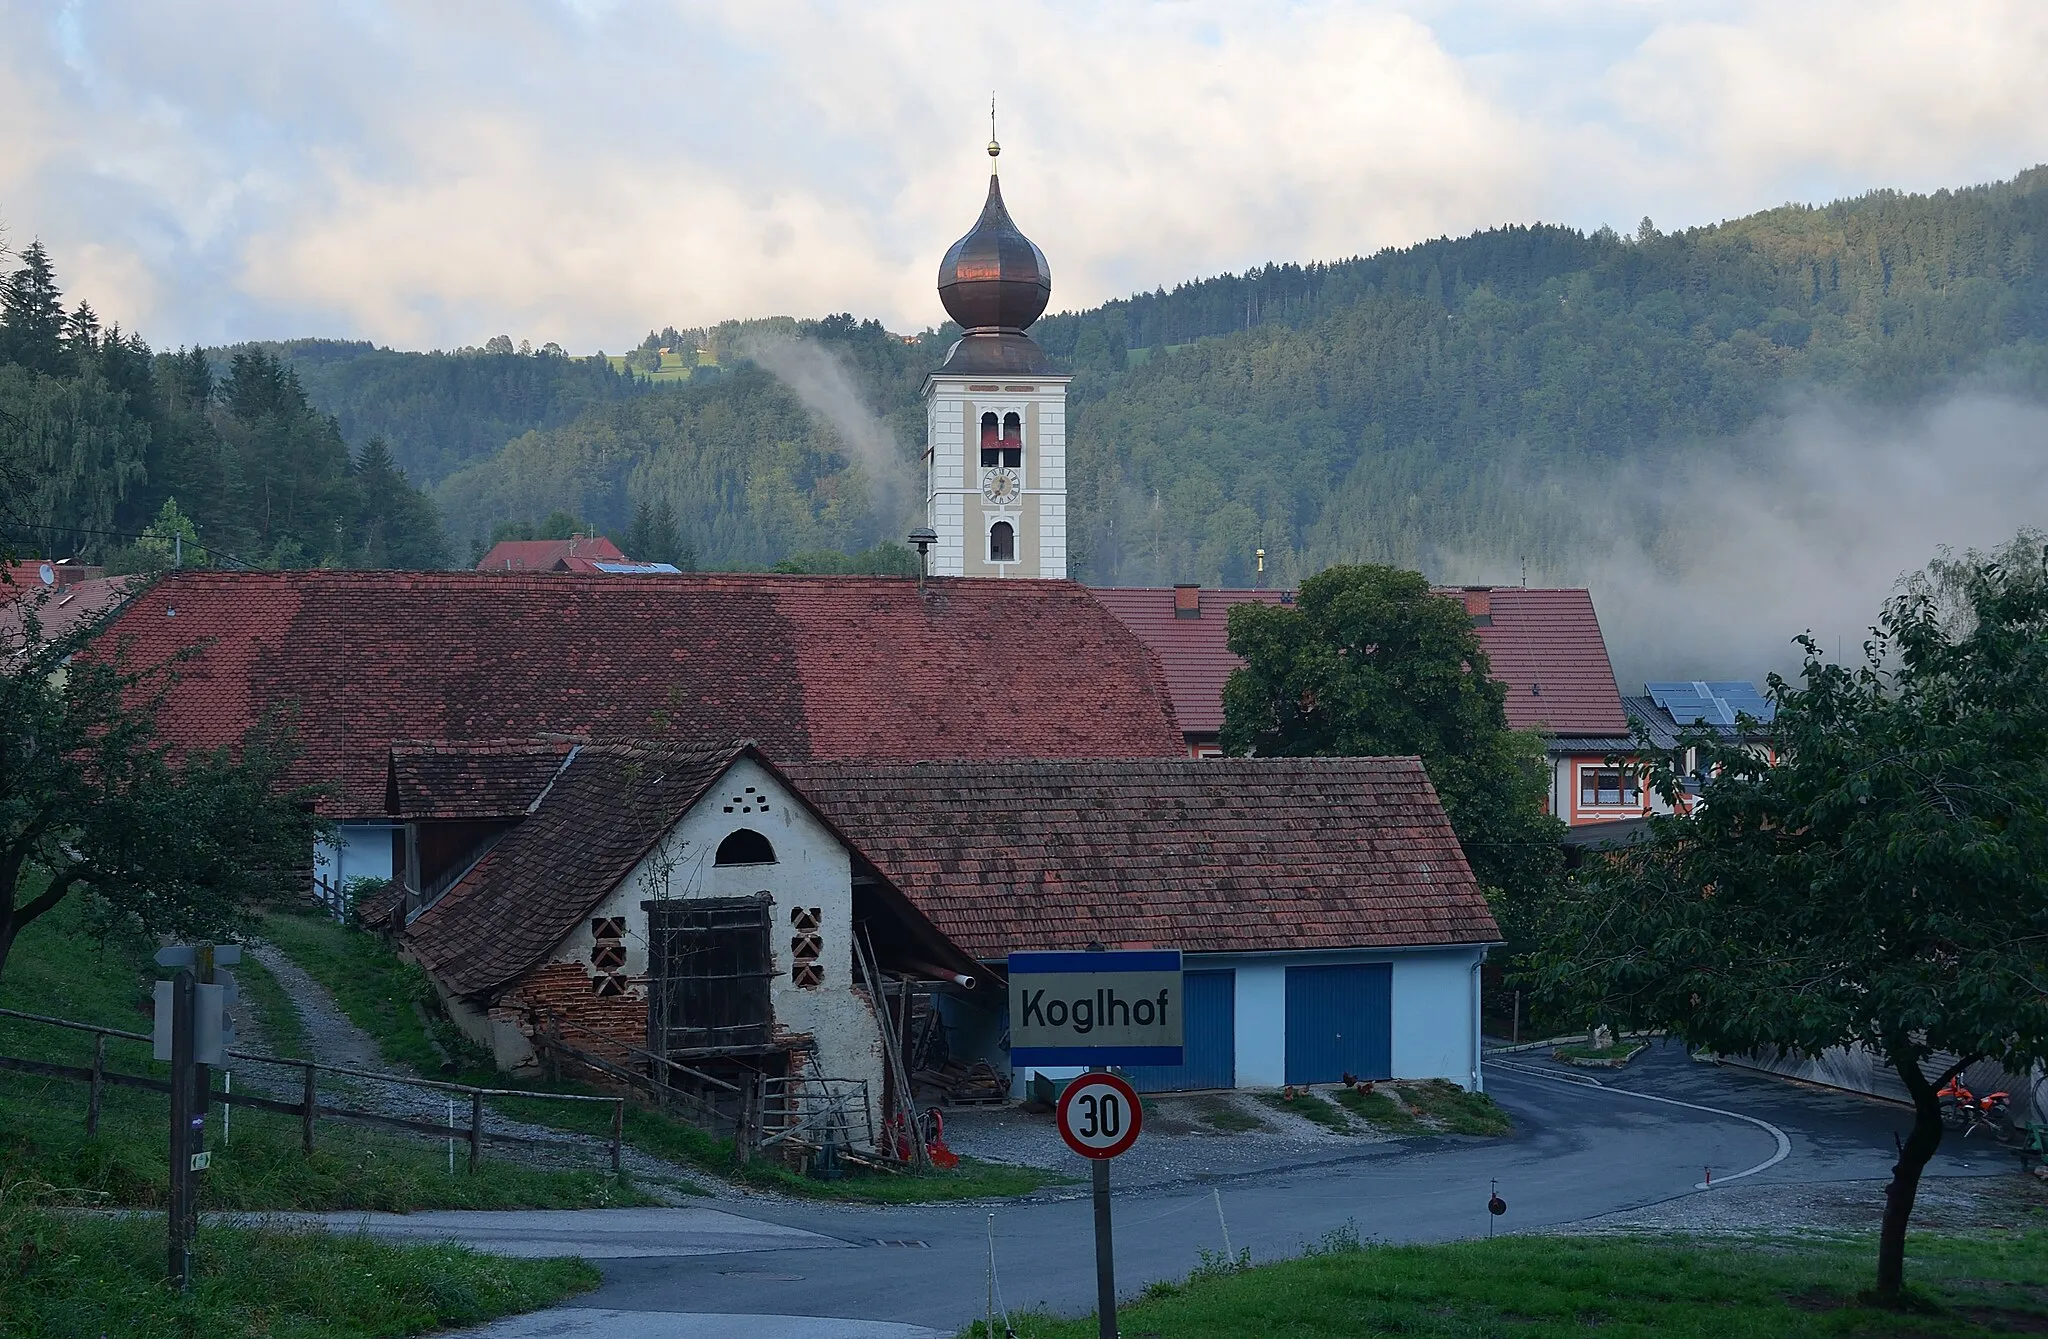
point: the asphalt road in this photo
(1579, 1151)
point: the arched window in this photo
(1002, 543)
(1013, 441)
(744, 847)
(991, 445)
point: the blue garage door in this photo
(1209, 1025)
(1340, 1021)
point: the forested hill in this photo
(112, 452)
(1458, 397)
(439, 411)
(1438, 398)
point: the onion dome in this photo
(995, 283)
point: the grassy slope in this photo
(1620, 1288)
(376, 990)
(55, 970)
(79, 1278)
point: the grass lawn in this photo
(1380, 1111)
(57, 970)
(376, 989)
(1992, 1282)
(70, 1277)
(1454, 1110)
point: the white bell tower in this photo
(996, 412)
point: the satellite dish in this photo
(47, 574)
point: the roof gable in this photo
(812, 667)
(549, 555)
(604, 809)
(1226, 855)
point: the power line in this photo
(210, 550)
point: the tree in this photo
(398, 526)
(95, 803)
(171, 540)
(1368, 661)
(1874, 875)
(653, 538)
(32, 316)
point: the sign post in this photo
(193, 1030)
(1097, 1009)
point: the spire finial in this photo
(994, 149)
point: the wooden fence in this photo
(309, 1109)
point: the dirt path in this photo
(333, 1039)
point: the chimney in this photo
(1479, 604)
(1187, 600)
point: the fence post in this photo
(99, 1072)
(618, 1131)
(308, 1109)
(476, 1130)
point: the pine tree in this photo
(32, 316)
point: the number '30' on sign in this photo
(1100, 1116)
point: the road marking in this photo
(1784, 1144)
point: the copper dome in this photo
(995, 278)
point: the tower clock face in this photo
(1001, 486)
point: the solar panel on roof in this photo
(1716, 703)
(1742, 696)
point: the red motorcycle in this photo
(1964, 1110)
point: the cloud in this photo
(433, 173)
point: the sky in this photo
(432, 174)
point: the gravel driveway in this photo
(333, 1039)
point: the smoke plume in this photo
(823, 382)
(1719, 557)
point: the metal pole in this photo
(99, 1073)
(476, 1130)
(1105, 1255)
(184, 997)
(618, 1132)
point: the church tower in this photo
(995, 411)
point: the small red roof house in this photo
(582, 553)
(812, 667)
(1544, 646)
(61, 609)
(1327, 917)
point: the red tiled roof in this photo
(60, 609)
(1544, 646)
(812, 667)
(496, 779)
(603, 812)
(550, 555)
(1191, 651)
(1227, 855)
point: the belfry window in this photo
(1002, 444)
(1002, 543)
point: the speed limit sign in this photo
(1100, 1116)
